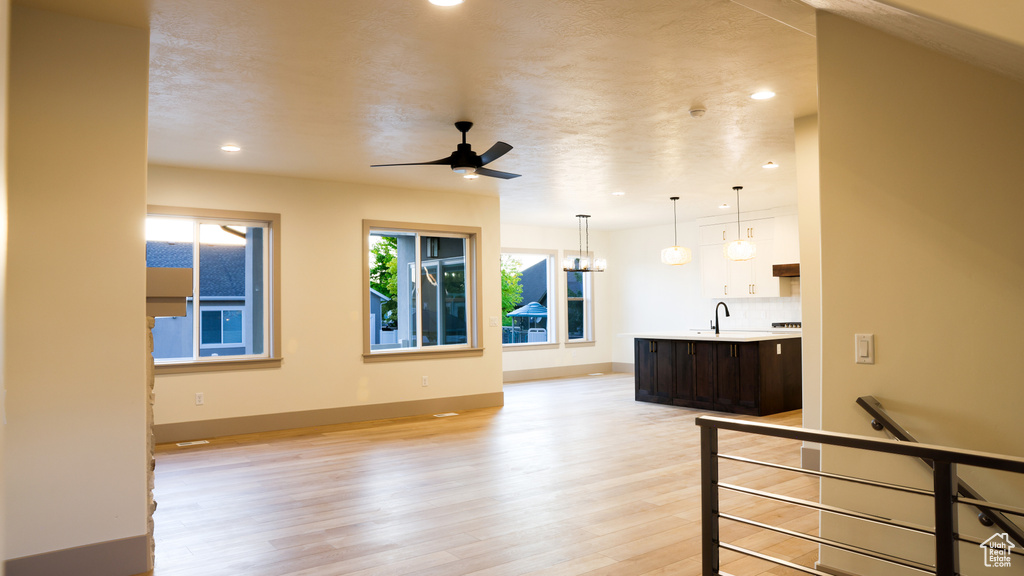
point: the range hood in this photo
(786, 270)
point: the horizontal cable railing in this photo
(988, 514)
(944, 493)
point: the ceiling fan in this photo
(466, 162)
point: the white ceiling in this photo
(592, 94)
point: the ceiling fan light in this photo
(464, 170)
(740, 250)
(676, 255)
(472, 176)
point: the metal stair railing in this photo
(987, 515)
(944, 492)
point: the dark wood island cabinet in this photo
(744, 377)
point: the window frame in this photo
(273, 358)
(554, 301)
(473, 345)
(589, 338)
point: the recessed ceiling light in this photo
(724, 206)
(763, 95)
(445, 2)
(618, 193)
(769, 165)
(231, 148)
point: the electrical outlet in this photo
(425, 381)
(200, 399)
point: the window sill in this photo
(217, 366)
(528, 346)
(580, 343)
(421, 355)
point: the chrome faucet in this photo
(717, 323)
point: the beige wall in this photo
(75, 341)
(5, 12)
(322, 295)
(920, 210)
(808, 191)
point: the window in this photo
(221, 327)
(233, 309)
(421, 288)
(578, 307)
(527, 315)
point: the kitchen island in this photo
(756, 373)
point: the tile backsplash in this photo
(758, 313)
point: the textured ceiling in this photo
(593, 95)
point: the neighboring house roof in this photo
(534, 281)
(223, 267)
(379, 295)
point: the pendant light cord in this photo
(579, 222)
(675, 225)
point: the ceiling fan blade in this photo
(497, 151)
(496, 174)
(445, 161)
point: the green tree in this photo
(511, 289)
(384, 274)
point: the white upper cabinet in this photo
(717, 233)
(723, 278)
(760, 229)
(714, 272)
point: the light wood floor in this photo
(571, 477)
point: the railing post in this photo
(709, 499)
(947, 550)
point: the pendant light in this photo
(582, 263)
(739, 250)
(675, 255)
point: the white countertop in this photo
(725, 336)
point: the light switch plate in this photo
(864, 350)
